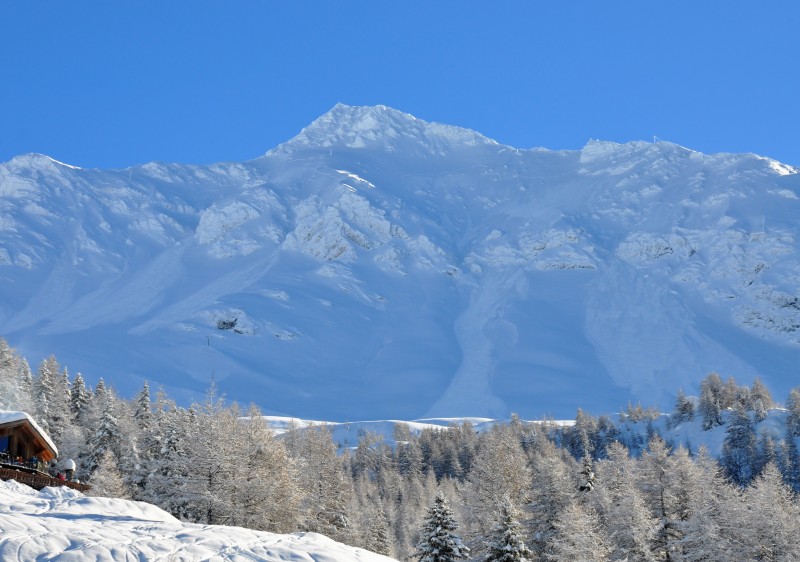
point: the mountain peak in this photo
(34, 160)
(380, 127)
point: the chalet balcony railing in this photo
(37, 480)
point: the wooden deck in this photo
(36, 479)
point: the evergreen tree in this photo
(106, 436)
(8, 359)
(79, 399)
(15, 381)
(739, 453)
(59, 407)
(143, 413)
(409, 458)
(167, 470)
(759, 410)
(793, 419)
(505, 543)
(587, 476)
(44, 390)
(377, 534)
(438, 539)
(684, 410)
(26, 387)
(710, 407)
(789, 459)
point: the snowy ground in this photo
(62, 524)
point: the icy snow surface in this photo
(378, 266)
(62, 524)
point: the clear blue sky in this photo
(117, 83)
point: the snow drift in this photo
(62, 524)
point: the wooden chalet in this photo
(26, 450)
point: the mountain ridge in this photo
(377, 265)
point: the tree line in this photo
(594, 490)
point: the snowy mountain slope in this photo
(380, 266)
(62, 524)
(634, 434)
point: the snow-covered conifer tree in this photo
(44, 389)
(106, 435)
(15, 381)
(26, 387)
(739, 452)
(789, 461)
(500, 472)
(578, 537)
(409, 458)
(8, 359)
(377, 532)
(327, 491)
(767, 526)
(59, 406)
(630, 525)
(552, 491)
(143, 410)
(79, 399)
(759, 391)
(659, 490)
(166, 468)
(684, 409)
(793, 405)
(709, 532)
(264, 492)
(438, 539)
(107, 480)
(505, 543)
(709, 407)
(211, 456)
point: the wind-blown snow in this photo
(422, 270)
(62, 524)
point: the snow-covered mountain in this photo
(62, 524)
(379, 266)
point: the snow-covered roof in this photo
(7, 417)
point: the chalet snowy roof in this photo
(9, 417)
